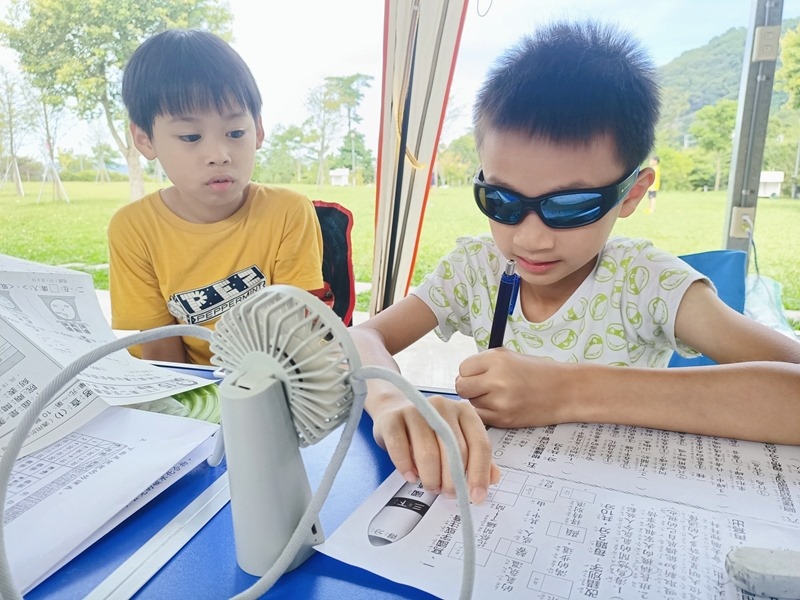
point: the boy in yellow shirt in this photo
(190, 252)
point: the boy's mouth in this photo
(220, 184)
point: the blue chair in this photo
(727, 270)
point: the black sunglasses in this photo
(559, 210)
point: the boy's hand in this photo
(419, 454)
(509, 389)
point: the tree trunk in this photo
(719, 173)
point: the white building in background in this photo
(770, 184)
(340, 176)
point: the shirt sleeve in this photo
(462, 289)
(136, 299)
(654, 286)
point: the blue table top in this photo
(206, 567)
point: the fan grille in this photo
(305, 345)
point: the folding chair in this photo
(727, 270)
(336, 223)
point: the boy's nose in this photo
(533, 234)
(219, 156)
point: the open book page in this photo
(24, 371)
(573, 518)
(58, 311)
(63, 494)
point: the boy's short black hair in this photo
(571, 82)
(179, 71)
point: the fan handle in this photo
(268, 482)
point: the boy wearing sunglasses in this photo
(562, 124)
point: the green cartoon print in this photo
(447, 270)
(476, 307)
(564, 339)
(633, 315)
(472, 277)
(615, 336)
(460, 293)
(576, 313)
(452, 321)
(594, 347)
(598, 307)
(481, 337)
(658, 310)
(606, 269)
(533, 340)
(637, 280)
(438, 297)
(616, 294)
(672, 278)
(494, 262)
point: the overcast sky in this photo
(341, 38)
(292, 45)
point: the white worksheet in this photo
(48, 318)
(61, 495)
(57, 311)
(571, 517)
(732, 476)
(178, 470)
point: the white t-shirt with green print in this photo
(622, 314)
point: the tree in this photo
(284, 156)
(323, 125)
(18, 115)
(458, 161)
(788, 74)
(347, 91)
(76, 49)
(354, 154)
(713, 128)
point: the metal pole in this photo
(755, 93)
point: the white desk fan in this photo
(292, 376)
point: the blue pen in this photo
(504, 306)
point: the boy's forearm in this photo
(371, 350)
(752, 401)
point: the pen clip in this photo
(514, 293)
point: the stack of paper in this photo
(87, 457)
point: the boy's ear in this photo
(259, 132)
(639, 189)
(142, 142)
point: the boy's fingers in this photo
(448, 486)
(495, 476)
(479, 458)
(398, 447)
(425, 453)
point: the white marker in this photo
(400, 515)
(765, 572)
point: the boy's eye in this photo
(189, 138)
(236, 134)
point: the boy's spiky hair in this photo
(570, 83)
(180, 71)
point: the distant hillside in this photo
(705, 75)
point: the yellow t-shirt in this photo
(164, 269)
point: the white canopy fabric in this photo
(419, 53)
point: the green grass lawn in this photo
(54, 232)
